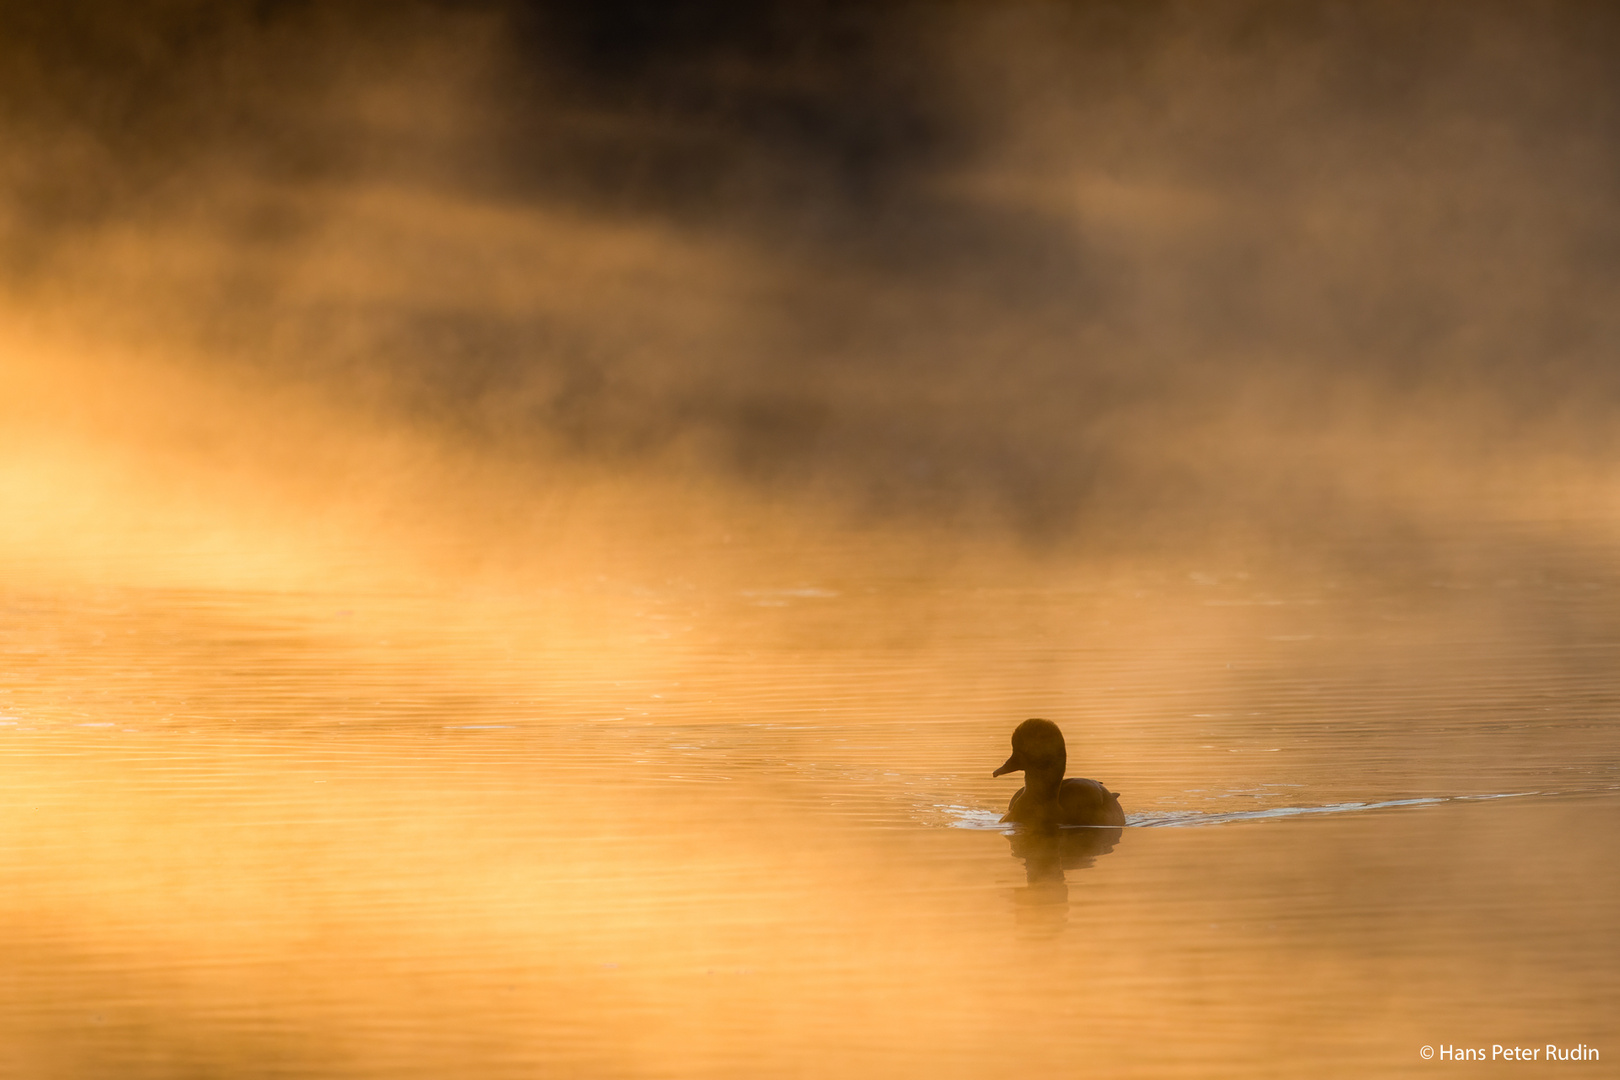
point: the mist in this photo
(527, 527)
(1084, 275)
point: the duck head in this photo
(1037, 749)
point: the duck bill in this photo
(1014, 764)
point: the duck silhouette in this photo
(1047, 799)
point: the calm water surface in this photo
(746, 827)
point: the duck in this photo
(1047, 798)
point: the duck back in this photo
(1086, 802)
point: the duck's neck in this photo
(1041, 784)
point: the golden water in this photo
(745, 826)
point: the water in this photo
(743, 825)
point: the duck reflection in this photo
(1047, 852)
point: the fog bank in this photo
(1081, 274)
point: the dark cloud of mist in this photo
(1079, 267)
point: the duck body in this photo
(1078, 802)
(1047, 799)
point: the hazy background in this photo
(524, 526)
(1102, 277)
